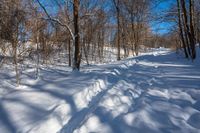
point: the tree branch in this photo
(56, 20)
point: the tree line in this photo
(188, 22)
(83, 29)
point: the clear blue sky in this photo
(159, 27)
(156, 26)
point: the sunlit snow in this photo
(156, 92)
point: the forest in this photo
(82, 29)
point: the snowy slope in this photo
(158, 92)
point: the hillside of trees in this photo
(83, 29)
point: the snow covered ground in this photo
(154, 93)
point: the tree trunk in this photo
(116, 3)
(188, 30)
(192, 41)
(69, 52)
(118, 32)
(77, 55)
(181, 29)
(14, 46)
(38, 60)
(132, 33)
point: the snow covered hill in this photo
(154, 93)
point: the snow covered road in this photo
(154, 93)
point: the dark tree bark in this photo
(77, 55)
(188, 31)
(192, 41)
(69, 52)
(181, 29)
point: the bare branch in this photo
(56, 20)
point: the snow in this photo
(157, 92)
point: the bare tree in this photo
(181, 29)
(186, 26)
(117, 4)
(74, 36)
(77, 55)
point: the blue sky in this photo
(156, 26)
(162, 27)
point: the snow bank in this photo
(158, 92)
